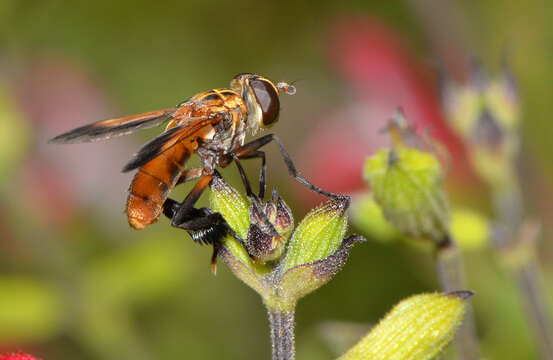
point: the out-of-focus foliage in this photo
(14, 132)
(29, 309)
(367, 215)
(470, 229)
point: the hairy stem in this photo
(449, 265)
(282, 334)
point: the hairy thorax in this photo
(227, 114)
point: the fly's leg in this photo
(255, 200)
(253, 146)
(189, 174)
(202, 224)
(262, 175)
(185, 208)
(245, 180)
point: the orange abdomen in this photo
(152, 183)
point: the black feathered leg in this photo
(203, 225)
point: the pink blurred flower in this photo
(55, 96)
(46, 192)
(381, 74)
(17, 356)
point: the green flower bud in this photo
(235, 210)
(417, 328)
(486, 114)
(228, 202)
(465, 104)
(319, 234)
(406, 182)
(303, 279)
(248, 272)
(316, 251)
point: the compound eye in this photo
(266, 97)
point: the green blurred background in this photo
(77, 283)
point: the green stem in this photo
(509, 209)
(530, 289)
(449, 265)
(282, 334)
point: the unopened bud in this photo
(417, 328)
(319, 234)
(271, 226)
(406, 183)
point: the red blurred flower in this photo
(381, 74)
(17, 356)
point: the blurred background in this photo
(77, 283)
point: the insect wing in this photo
(168, 139)
(107, 129)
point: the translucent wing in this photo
(191, 130)
(106, 129)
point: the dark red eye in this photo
(267, 98)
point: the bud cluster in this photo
(485, 112)
(407, 184)
(281, 263)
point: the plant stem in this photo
(526, 275)
(529, 287)
(282, 334)
(449, 265)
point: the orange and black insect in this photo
(211, 124)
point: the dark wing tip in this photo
(65, 138)
(56, 140)
(131, 165)
(87, 133)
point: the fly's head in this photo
(262, 98)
